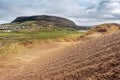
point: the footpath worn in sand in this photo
(94, 59)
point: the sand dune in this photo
(94, 59)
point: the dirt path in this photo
(16, 64)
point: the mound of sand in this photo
(105, 28)
(94, 59)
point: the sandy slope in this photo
(15, 63)
(95, 59)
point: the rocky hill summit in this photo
(45, 20)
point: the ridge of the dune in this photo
(95, 59)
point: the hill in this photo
(45, 20)
(105, 28)
(83, 27)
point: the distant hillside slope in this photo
(83, 27)
(44, 20)
(105, 28)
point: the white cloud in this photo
(84, 12)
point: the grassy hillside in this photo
(105, 28)
(46, 20)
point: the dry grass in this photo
(104, 28)
(21, 47)
(11, 48)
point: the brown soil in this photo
(94, 59)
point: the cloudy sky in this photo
(83, 12)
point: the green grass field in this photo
(39, 34)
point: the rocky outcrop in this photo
(44, 20)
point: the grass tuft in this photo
(13, 48)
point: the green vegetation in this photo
(28, 23)
(44, 33)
